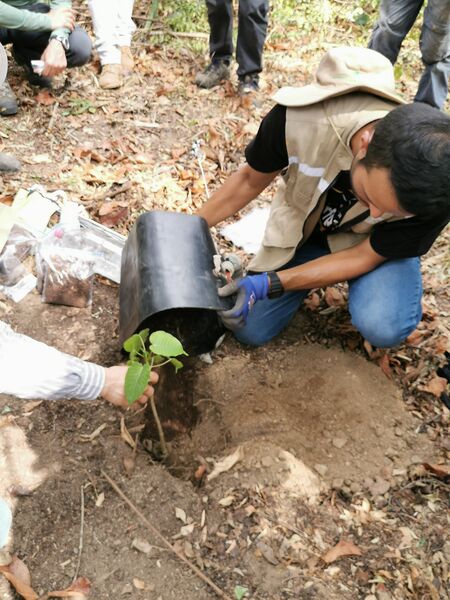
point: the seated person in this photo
(41, 32)
(365, 191)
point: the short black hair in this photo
(413, 142)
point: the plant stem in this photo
(162, 438)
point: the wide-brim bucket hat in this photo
(341, 71)
(3, 64)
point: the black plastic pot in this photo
(167, 281)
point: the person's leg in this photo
(105, 19)
(435, 49)
(269, 317)
(220, 19)
(395, 20)
(126, 26)
(251, 36)
(385, 304)
(125, 32)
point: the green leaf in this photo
(177, 364)
(136, 380)
(144, 334)
(133, 343)
(165, 344)
(240, 592)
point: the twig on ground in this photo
(80, 545)
(166, 543)
(52, 118)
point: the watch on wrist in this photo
(276, 288)
(64, 41)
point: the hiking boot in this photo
(127, 60)
(8, 100)
(9, 163)
(249, 84)
(214, 74)
(32, 77)
(111, 77)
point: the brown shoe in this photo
(127, 61)
(111, 77)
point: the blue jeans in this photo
(396, 19)
(385, 304)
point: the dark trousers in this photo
(252, 28)
(31, 44)
(396, 19)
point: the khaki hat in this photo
(3, 64)
(344, 70)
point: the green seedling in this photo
(162, 349)
(147, 352)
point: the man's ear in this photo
(365, 139)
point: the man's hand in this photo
(249, 290)
(114, 388)
(62, 18)
(55, 60)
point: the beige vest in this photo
(318, 144)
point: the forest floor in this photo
(337, 479)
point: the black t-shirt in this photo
(405, 238)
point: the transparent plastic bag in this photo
(19, 245)
(65, 267)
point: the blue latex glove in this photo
(249, 290)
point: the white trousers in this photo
(113, 27)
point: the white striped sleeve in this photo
(31, 369)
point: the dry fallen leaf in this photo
(312, 301)
(125, 434)
(79, 590)
(139, 584)
(415, 338)
(226, 463)
(342, 548)
(385, 366)
(227, 501)
(435, 386)
(19, 577)
(333, 297)
(44, 97)
(29, 406)
(441, 471)
(180, 514)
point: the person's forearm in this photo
(26, 20)
(330, 269)
(31, 369)
(238, 190)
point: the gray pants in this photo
(396, 19)
(252, 28)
